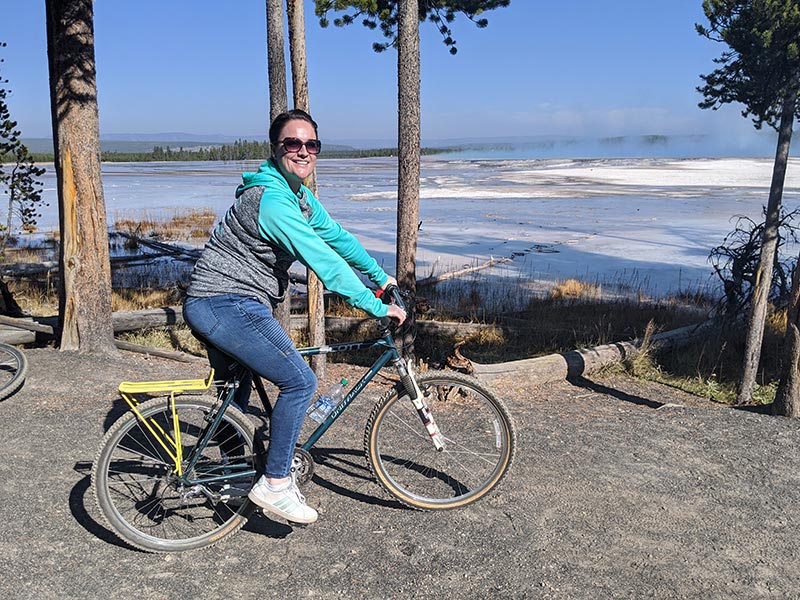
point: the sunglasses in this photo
(292, 144)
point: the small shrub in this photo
(573, 289)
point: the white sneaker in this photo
(287, 503)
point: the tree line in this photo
(237, 151)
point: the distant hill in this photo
(545, 146)
(176, 137)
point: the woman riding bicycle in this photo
(243, 274)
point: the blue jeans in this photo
(245, 330)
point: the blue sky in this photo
(573, 67)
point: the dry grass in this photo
(38, 298)
(642, 361)
(710, 366)
(41, 299)
(336, 306)
(548, 326)
(183, 224)
(178, 337)
(574, 289)
(575, 314)
(138, 299)
(27, 254)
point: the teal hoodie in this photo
(314, 238)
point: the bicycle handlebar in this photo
(390, 294)
(396, 295)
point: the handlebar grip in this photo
(391, 294)
(394, 292)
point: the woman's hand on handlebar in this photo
(391, 296)
(396, 313)
(390, 281)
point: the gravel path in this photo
(620, 489)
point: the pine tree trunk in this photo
(787, 396)
(276, 68)
(408, 156)
(276, 61)
(297, 52)
(758, 309)
(9, 223)
(85, 284)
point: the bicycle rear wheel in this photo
(147, 505)
(479, 443)
(13, 369)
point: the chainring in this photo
(302, 466)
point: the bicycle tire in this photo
(141, 499)
(13, 370)
(479, 443)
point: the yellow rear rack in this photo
(176, 386)
(171, 444)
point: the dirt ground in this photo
(620, 489)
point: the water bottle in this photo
(327, 402)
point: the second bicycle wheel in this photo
(13, 369)
(148, 505)
(479, 443)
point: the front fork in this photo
(411, 387)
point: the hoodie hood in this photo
(267, 175)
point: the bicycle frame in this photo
(390, 354)
(172, 443)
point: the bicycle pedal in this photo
(232, 491)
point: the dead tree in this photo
(735, 261)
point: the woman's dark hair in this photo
(283, 118)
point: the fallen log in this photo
(171, 315)
(179, 252)
(357, 325)
(538, 370)
(28, 269)
(48, 267)
(147, 318)
(16, 337)
(28, 324)
(576, 363)
(17, 331)
(160, 352)
(432, 280)
(26, 330)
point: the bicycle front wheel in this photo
(13, 369)
(479, 443)
(154, 509)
